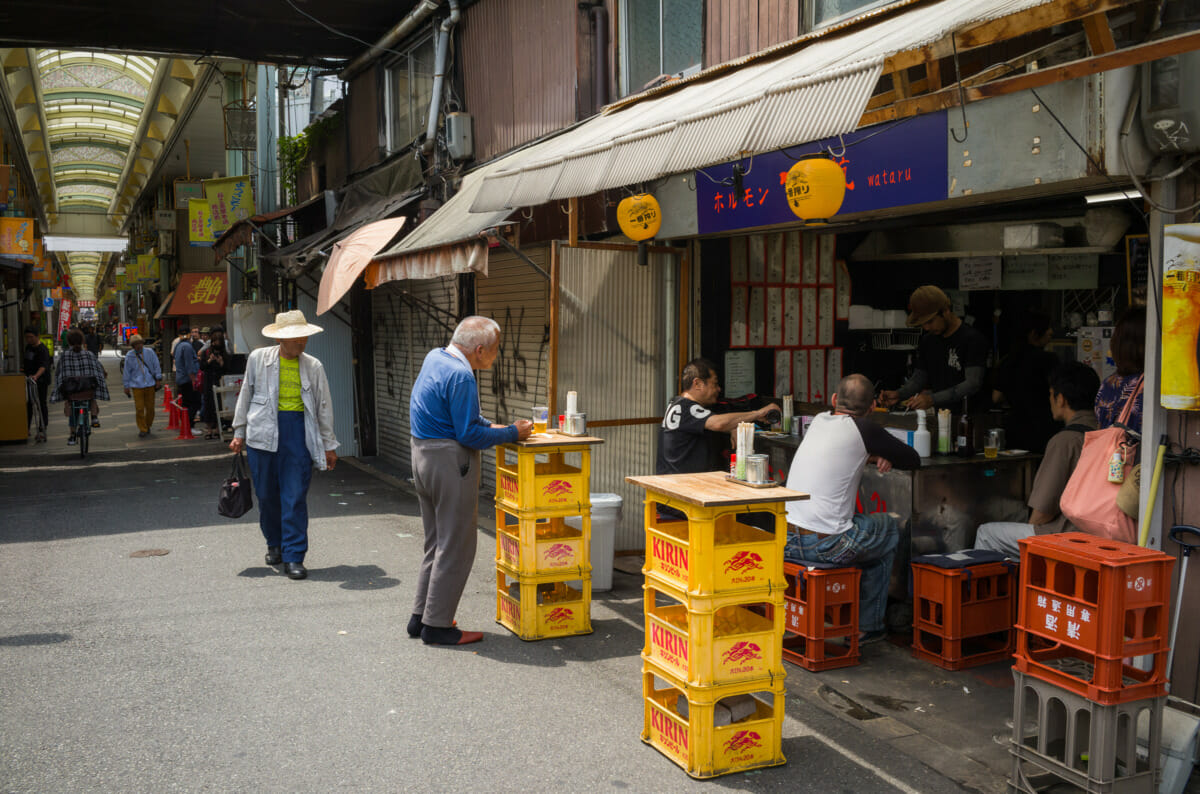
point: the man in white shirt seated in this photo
(829, 466)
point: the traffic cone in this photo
(167, 397)
(185, 425)
(172, 416)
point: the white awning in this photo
(817, 91)
(453, 222)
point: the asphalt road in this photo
(202, 669)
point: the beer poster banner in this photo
(200, 231)
(1181, 317)
(16, 237)
(64, 316)
(229, 200)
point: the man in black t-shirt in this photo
(951, 356)
(688, 439)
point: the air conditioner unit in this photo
(1171, 103)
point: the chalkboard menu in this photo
(1137, 266)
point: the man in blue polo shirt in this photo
(448, 431)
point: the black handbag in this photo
(237, 493)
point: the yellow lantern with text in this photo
(639, 216)
(815, 188)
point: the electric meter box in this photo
(1171, 103)
(459, 140)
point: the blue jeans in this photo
(281, 479)
(870, 545)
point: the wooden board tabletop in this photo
(554, 439)
(711, 489)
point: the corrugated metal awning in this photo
(453, 222)
(815, 92)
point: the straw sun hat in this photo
(290, 325)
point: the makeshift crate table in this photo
(714, 614)
(543, 569)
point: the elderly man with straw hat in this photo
(284, 419)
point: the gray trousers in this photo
(446, 476)
(1003, 536)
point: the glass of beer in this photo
(1181, 317)
(541, 414)
(993, 443)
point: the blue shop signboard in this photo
(886, 166)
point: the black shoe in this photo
(414, 626)
(295, 570)
(274, 555)
(71, 440)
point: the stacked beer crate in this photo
(543, 534)
(713, 679)
(1088, 608)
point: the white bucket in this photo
(606, 510)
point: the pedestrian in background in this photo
(284, 420)
(213, 363)
(448, 431)
(1128, 351)
(77, 365)
(92, 341)
(196, 341)
(187, 367)
(142, 377)
(36, 366)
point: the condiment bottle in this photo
(922, 442)
(1116, 467)
(966, 433)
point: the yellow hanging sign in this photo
(229, 200)
(815, 188)
(16, 237)
(200, 231)
(639, 216)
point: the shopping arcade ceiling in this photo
(94, 119)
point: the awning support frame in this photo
(494, 234)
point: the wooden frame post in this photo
(552, 362)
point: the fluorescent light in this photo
(71, 242)
(1116, 195)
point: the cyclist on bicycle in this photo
(79, 373)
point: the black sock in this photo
(415, 625)
(436, 635)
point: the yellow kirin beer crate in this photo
(554, 486)
(714, 556)
(696, 742)
(542, 546)
(537, 607)
(726, 645)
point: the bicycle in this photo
(81, 419)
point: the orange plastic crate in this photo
(957, 603)
(821, 616)
(1102, 597)
(821, 602)
(1106, 680)
(958, 654)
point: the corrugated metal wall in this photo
(403, 335)
(516, 296)
(613, 349)
(518, 67)
(734, 28)
(333, 347)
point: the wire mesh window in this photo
(826, 11)
(409, 91)
(659, 37)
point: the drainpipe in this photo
(439, 76)
(390, 39)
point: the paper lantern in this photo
(815, 188)
(639, 216)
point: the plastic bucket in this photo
(606, 510)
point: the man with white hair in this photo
(448, 431)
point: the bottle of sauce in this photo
(966, 433)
